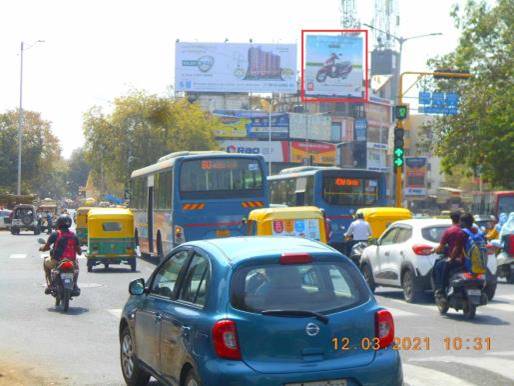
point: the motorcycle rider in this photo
(359, 230)
(452, 245)
(65, 245)
(332, 61)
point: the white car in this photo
(403, 258)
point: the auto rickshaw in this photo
(81, 224)
(110, 237)
(301, 221)
(381, 217)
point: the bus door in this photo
(150, 212)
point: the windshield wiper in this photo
(296, 313)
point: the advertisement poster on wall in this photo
(415, 176)
(322, 153)
(279, 149)
(257, 123)
(235, 67)
(334, 65)
(233, 127)
(309, 126)
(376, 156)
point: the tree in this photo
(78, 171)
(140, 129)
(481, 137)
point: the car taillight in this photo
(295, 258)
(66, 266)
(384, 328)
(470, 275)
(422, 249)
(224, 336)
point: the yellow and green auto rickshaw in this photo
(381, 217)
(110, 238)
(81, 224)
(302, 221)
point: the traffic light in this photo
(401, 112)
(398, 151)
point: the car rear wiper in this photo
(296, 313)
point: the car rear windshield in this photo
(434, 234)
(317, 287)
(350, 191)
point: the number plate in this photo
(335, 382)
(223, 233)
(474, 292)
(66, 276)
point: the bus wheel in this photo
(159, 245)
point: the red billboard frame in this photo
(366, 69)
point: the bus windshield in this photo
(220, 178)
(505, 204)
(345, 191)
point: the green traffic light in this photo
(398, 162)
(398, 152)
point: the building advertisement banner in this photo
(322, 153)
(256, 124)
(334, 66)
(279, 149)
(415, 176)
(233, 127)
(235, 67)
(376, 156)
(309, 126)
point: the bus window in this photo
(163, 190)
(350, 191)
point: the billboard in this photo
(310, 126)
(279, 149)
(235, 67)
(256, 124)
(233, 127)
(376, 156)
(322, 153)
(334, 65)
(415, 176)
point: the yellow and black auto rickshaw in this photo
(381, 217)
(110, 238)
(301, 221)
(81, 224)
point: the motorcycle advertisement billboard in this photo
(253, 124)
(279, 150)
(322, 153)
(334, 65)
(415, 176)
(235, 67)
(310, 126)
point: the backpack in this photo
(475, 253)
(65, 246)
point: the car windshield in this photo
(434, 233)
(315, 287)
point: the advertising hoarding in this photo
(415, 176)
(322, 153)
(334, 65)
(233, 127)
(279, 149)
(235, 67)
(309, 126)
(256, 123)
(376, 156)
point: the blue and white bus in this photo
(339, 192)
(193, 196)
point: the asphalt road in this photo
(40, 345)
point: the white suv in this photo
(403, 257)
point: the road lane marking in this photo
(116, 312)
(495, 365)
(421, 376)
(17, 256)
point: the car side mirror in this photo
(137, 287)
(496, 243)
(41, 241)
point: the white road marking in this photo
(116, 312)
(421, 376)
(17, 256)
(496, 365)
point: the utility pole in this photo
(20, 121)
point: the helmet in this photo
(64, 221)
(360, 215)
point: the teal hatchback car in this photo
(257, 311)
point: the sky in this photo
(96, 50)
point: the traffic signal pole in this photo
(399, 122)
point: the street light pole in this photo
(269, 136)
(20, 121)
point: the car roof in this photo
(237, 249)
(425, 222)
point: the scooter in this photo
(338, 70)
(62, 282)
(505, 257)
(356, 252)
(466, 291)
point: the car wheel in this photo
(410, 293)
(192, 379)
(133, 374)
(368, 276)
(490, 290)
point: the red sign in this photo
(348, 182)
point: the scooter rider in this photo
(359, 230)
(65, 246)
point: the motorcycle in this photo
(338, 70)
(466, 291)
(505, 257)
(356, 252)
(62, 282)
